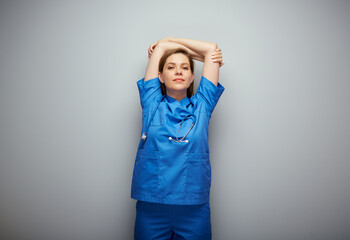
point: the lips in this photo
(178, 80)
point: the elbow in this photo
(213, 46)
(160, 44)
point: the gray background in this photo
(71, 118)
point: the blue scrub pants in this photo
(156, 221)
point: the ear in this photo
(160, 77)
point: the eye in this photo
(170, 67)
(186, 68)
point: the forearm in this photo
(202, 48)
(153, 62)
(166, 45)
(157, 53)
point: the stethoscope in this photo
(144, 134)
(177, 135)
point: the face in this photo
(177, 75)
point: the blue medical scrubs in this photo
(166, 171)
(171, 180)
(172, 222)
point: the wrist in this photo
(162, 45)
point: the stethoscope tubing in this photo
(177, 135)
(144, 134)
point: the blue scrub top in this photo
(171, 172)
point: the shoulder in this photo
(208, 93)
(149, 90)
(207, 89)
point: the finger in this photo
(154, 45)
(216, 57)
(217, 60)
(216, 54)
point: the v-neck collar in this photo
(185, 101)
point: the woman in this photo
(172, 173)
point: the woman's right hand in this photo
(153, 45)
(151, 48)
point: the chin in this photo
(180, 88)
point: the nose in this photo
(178, 70)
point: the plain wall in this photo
(71, 117)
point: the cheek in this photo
(167, 84)
(166, 78)
(166, 81)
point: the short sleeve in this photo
(148, 90)
(209, 93)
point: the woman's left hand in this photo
(217, 57)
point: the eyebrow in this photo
(175, 63)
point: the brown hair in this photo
(162, 61)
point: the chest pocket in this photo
(198, 173)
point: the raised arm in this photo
(156, 51)
(204, 49)
(153, 62)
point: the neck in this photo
(177, 95)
